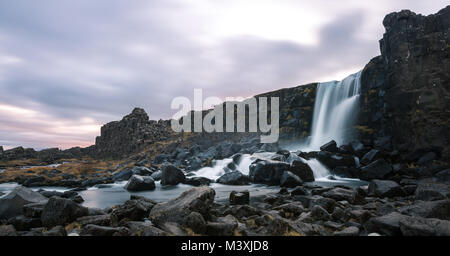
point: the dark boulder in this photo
(94, 230)
(333, 160)
(140, 228)
(290, 180)
(416, 226)
(156, 175)
(387, 225)
(267, 172)
(299, 191)
(140, 183)
(195, 222)
(61, 211)
(239, 198)
(379, 169)
(11, 205)
(33, 210)
(319, 213)
(196, 199)
(224, 226)
(172, 175)
(55, 231)
(8, 230)
(101, 220)
(141, 170)
(234, 178)
(432, 191)
(371, 156)
(350, 231)
(22, 223)
(135, 209)
(428, 209)
(302, 170)
(124, 174)
(330, 147)
(385, 188)
(198, 181)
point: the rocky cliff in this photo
(406, 91)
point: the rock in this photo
(195, 222)
(100, 220)
(310, 201)
(387, 224)
(33, 210)
(171, 175)
(416, 226)
(22, 223)
(34, 181)
(138, 228)
(142, 171)
(371, 156)
(428, 209)
(289, 210)
(122, 175)
(55, 231)
(443, 176)
(319, 213)
(376, 170)
(60, 211)
(156, 175)
(357, 147)
(333, 160)
(238, 198)
(342, 194)
(140, 183)
(302, 170)
(431, 192)
(350, 231)
(330, 147)
(290, 180)
(160, 158)
(234, 178)
(94, 230)
(198, 181)
(241, 211)
(385, 188)
(11, 205)
(225, 226)
(173, 229)
(135, 209)
(7, 230)
(196, 199)
(427, 158)
(267, 172)
(299, 191)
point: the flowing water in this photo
(335, 109)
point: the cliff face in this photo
(130, 135)
(406, 91)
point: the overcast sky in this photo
(67, 67)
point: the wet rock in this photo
(238, 198)
(299, 191)
(11, 205)
(371, 156)
(22, 223)
(427, 158)
(333, 160)
(330, 147)
(33, 210)
(55, 231)
(142, 171)
(241, 211)
(387, 224)
(385, 188)
(122, 175)
(290, 180)
(302, 170)
(289, 210)
(342, 194)
(135, 209)
(416, 226)
(432, 192)
(311, 201)
(140, 183)
(156, 175)
(140, 228)
(319, 213)
(95, 230)
(60, 211)
(34, 181)
(198, 181)
(350, 231)
(173, 229)
(172, 175)
(196, 199)
(428, 209)
(376, 170)
(234, 178)
(267, 172)
(195, 222)
(225, 226)
(100, 220)
(7, 230)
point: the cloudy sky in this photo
(67, 67)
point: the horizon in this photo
(99, 61)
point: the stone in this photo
(385, 188)
(33, 210)
(142, 171)
(95, 230)
(378, 169)
(156, 175)
(195, 222)
(198, 181)
(319, 213)
(122, 175)
(370, 156)
(417, 226)
(140, 183)
(350, 231)
(7, 230)
(234, 178)
(172, 175)
(302, 170)
(60, 211)
(388, 224)
(140, 228)
(135, 209)
(299, 191)
(197, 199)
(55, 231)
(238, 198)
(100, 220)
(12, 204)
(439, 209)
(330, 147)
(290, 180)
(225, 226)
(267, 172)
(431, 192)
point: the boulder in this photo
(141, 170)
(224, 226)
(428, 209)
(267, 172)
(196, 199)
(172, 175)
(33, 210)
(60, 211)
(55, 231)
(311, 201)
(156, 175)
(122, 175)
(135, 209)
(195, 222)
(198, 181)
(432, 191)
(238, 198)
(140, 183)
(343, 194)
(330, 147)
(299, 191)
(302, 170)
(378, 169)
(22, 223)
(140, 228)
(290, 180)
(417, 226)
(333, 160)
(350, 231)
(319, 213)
(101, 220)
(385, 188)
(387, 225)
(370, 156)
(12, 204)
(234, 178)
(7, 230)
(95, 230)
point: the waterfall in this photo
(335, 110)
